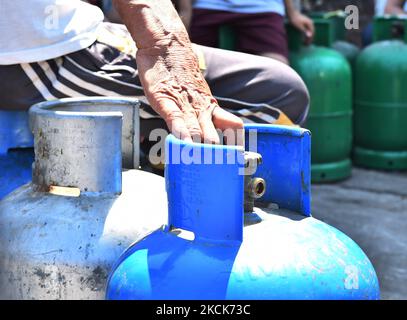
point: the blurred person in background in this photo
(383, 7)
(397, 7)
(184, 8)
(380, 6)
(258, 24)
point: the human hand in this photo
(170, 74)
(304, 24)
(177, 90)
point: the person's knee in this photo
(287, 91)
(276, 56)
(300, 99)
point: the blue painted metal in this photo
(16, 153)
(286, 153)
(14, 131)
(192, 205)
(15, 170)
(277, 254)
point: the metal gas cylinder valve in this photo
(254, 187)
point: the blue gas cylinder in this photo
(213, 248)
(16, 153)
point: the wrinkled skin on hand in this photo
(170, 74)
(177, 90)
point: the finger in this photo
(309, 29)
(308, 33)
(174, 118)
(231, 126)
(308, 36)
(209, 133)
(193, 126)
(190, 116)
(180, 130)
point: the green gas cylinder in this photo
(327, 75)
(227, 38)
(333, 35)
(381, 98)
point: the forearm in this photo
(290, 8)
(152, 23)
(170, 74)
(395, 7)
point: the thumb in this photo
(309, 28)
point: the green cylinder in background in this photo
(334, 35)
(227, 38)
(328, 77)
(381, 98)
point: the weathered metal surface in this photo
(286, 161)
(55, 247)
(80, 109)
(62, 247)
(282, 256)
(371, 208)
(268, 254)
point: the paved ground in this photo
(371, 208)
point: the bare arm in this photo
(169, 71)
(300, 21)
(395, 7)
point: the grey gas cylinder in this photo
(61, 234)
